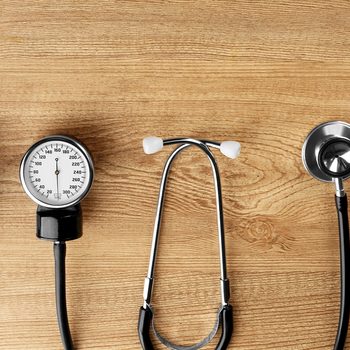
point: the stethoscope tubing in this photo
(344, 312)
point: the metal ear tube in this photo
(225, 315)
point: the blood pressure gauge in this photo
(57, 172)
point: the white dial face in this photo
(56, 173)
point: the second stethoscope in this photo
(326, 156)
(230, 149)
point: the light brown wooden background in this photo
(111, 72)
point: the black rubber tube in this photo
(59, 249)
(227, 327)
(342, 209)
(145, 322)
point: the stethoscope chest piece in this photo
(326, 151)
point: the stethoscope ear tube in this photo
(342, 210)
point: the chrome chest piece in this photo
(326, 151)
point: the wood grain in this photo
(112, 72)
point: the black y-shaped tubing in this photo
(342, 210)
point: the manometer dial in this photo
(57, 172)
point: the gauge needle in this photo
(57, 173)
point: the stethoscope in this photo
(57, 173)
(230, 149)
(326, 156)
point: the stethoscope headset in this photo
(230, 149)
(326, 156)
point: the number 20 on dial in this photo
(57, 172)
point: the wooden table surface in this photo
(113, 72)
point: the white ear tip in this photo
(152, 144)
(230, 149)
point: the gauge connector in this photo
(59, 225)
